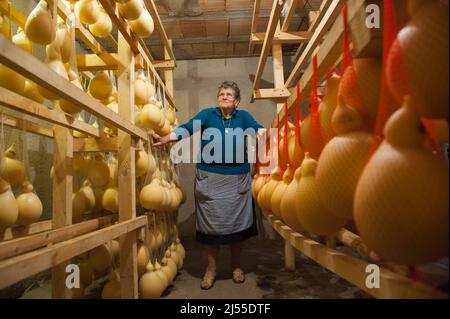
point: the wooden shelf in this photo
(51, 244)
(392, 285)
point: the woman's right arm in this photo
(182, 131)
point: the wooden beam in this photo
(271, 94)
(314, 19)
(107, 144)
(164, 65)
(392, 285)
(17, 268)
(289, 15)
(30, 67)
(93, 62)
(256, 7)
(273, 22)
(168, 74)
(127, 173)
(159, 26)
(330, 16)
(62, 200)
(283, 37)
(25, 230)
(22, 104)
(24, 244)
(6, 9)
(25, 125)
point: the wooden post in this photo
(289, 256)
(126, 162)
(278, 73)
(62, 200)
(168, 74)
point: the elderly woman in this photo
(223, 201)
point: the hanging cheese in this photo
(342, 161)
(143, 26)
(11, 80)
(101, 86)
(278, 193)
(31, 91)
(287, 205)
(8, 203)
(29, 205)
(131, 9)
(401, 200)
(310, 211)
(99, 171)
(87, 11)
(417, 63)
(140, 90)
(40, 27)
(103, 26)
(12, 170)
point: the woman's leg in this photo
(210, 274)
(238, 273)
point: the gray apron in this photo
(223, 203)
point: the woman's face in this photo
(226, 99)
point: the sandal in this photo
(208, 281)
(238, 276)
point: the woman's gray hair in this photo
(232, 85)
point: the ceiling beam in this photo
(267, 45)
(290, 14)
(325, 23)
(283, 37)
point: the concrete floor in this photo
(265, 277)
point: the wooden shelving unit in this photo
(51, 244)
(325, 38)
(352, 269)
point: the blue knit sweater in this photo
(225, 151)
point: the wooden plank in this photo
(314, 19)
(392, 285)
(94, 62)
(168, 73)
(107, 144)
(24, 244)
(290, 13)
(273, 22)
(253, 29)
(6, 9)
(159, 26)
(25, 230)
(329, 18)
(270, 94)
(127, 173)
(28, 126)
(30, 67)
(17, 268)
(164, 65)
(283, 37)
(289, 253)
(62, 200)
(20, 103)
